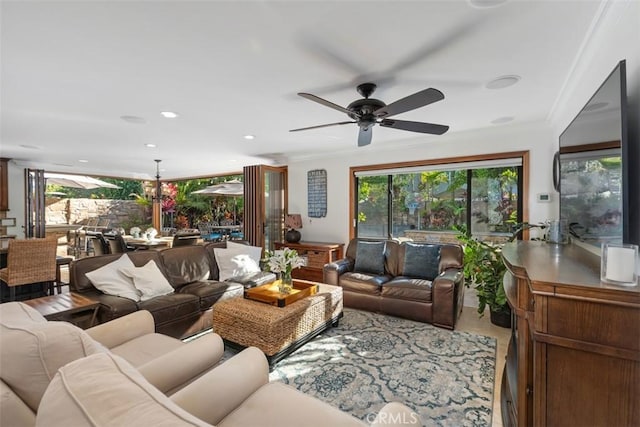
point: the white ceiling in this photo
(70, 70)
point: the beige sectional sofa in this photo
(55, 374)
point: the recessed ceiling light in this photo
(501, 120)
(486, 3)
(83, 161)
(133, 119)
(502, 82)
(150, 145)
(30, 147)
(249, 137)
(169, 114)
(595, 106)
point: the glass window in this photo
(373, 206)
(494, 200)
(395, 204)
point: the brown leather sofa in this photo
(183, 313)
(418, 281)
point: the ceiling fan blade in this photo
(320, 126)
(411, 102)
(364, 136)
(415, 126)
(324, 102)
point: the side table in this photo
(317, 255)
(68, 307)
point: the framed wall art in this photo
(317, 193)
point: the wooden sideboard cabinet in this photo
(317, 255)
(574, 355)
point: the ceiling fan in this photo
(368, 112)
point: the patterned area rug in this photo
(371, 359)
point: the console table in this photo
(317, 254)
(574, 355)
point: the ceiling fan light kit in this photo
(367, 112)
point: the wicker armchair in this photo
(30, 261)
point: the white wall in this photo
(615, 36)
(15, 175)
(335, 226)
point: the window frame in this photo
(444, 162)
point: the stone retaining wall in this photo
(80, 211)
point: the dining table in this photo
(143, 243)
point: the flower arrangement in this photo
(283, 261)
(135, 232)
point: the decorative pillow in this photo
(112, 281)
(149, 280)
(234, 262)
(105, 390)
(370, 257)
(421, 261)
(255, 252)
(32, 351)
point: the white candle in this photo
(621, 264)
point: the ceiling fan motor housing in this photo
(362, 109)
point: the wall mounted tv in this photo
(592, 167)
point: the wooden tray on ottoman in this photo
(269, 293)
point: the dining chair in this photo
(30, 261)
(186, 239)
(117, 244)
(100, 244)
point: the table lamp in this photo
(293, 222)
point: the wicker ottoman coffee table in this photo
(277, 331)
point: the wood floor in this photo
(471, 322)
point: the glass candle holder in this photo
(619, 264)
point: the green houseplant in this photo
(484, 270)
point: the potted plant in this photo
(484, 270)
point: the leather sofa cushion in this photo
(168, 308)
(370, 257)
(186, 264)
(421, 260)
(212, 291)
(364, 283)
(31, 351)
(408, 288)
(105, 390)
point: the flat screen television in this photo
(592, 167)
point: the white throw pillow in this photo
(149, 280)
(255, 252)
(233, 263)
(110, 280)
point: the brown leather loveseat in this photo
(413, 280)
(193, 273)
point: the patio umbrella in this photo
(77, 181)
(233, 188)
